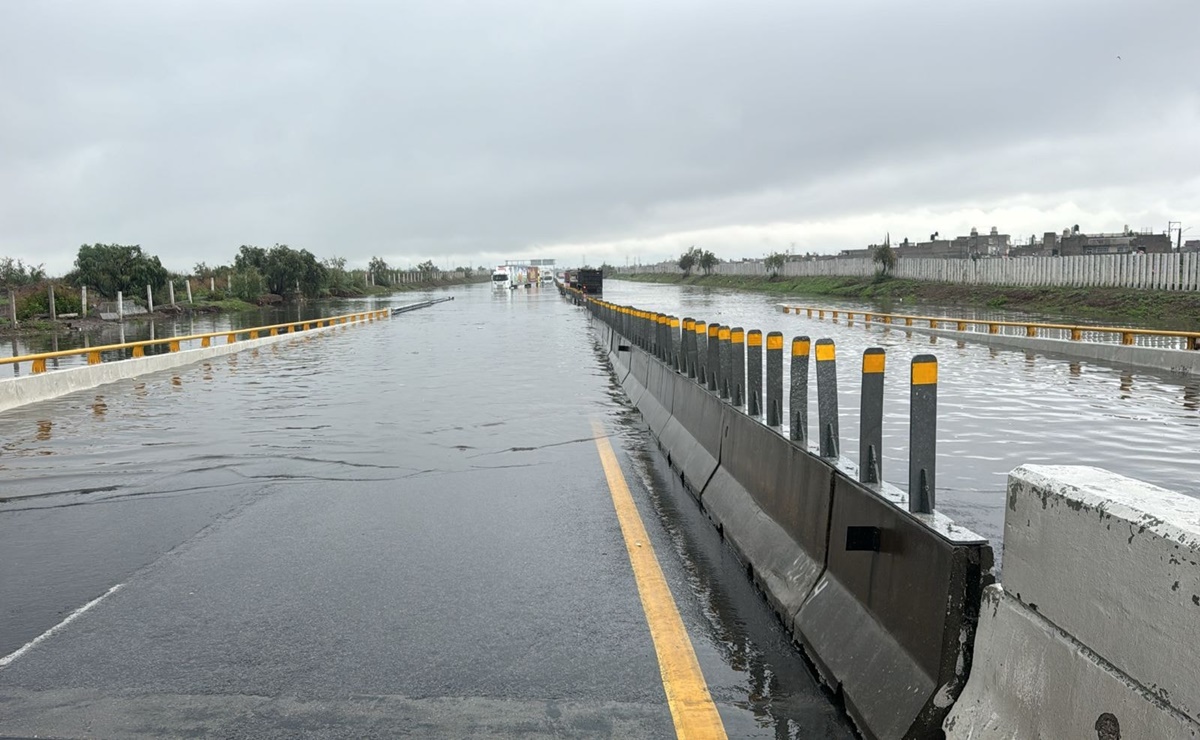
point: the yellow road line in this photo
(692, 707)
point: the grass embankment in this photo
(1174, 310)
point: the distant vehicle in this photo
(501, 280)
(547, 277)
(588, 280)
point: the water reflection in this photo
(99, 407)
(44, 427)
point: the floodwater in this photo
(90, 333)
(401, 522)
(997, 409)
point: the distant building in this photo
(1127, 242)
(992, 244)
(1191, 245)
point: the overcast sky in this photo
(472, 132)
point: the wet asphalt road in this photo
(394, 529)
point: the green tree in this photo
(250, 256)
(426, 267)
(337, 281)
(707, 261)
(381, 274)
(774, 262)
(248, 285)
(687, 261)
(15, 272)
(114, 267)
(287, 268)
(884, 256)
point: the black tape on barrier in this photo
(893, 625)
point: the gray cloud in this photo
(476, 130)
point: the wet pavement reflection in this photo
(424, 493)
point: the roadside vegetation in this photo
(256, 276)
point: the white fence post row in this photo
(1162, 271)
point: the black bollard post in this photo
(725, 368)
(827, 400)
(754, 369)
(798, 404)
(922, 435)
(870, 433)
(702, 353)
(676, 342)
(774, 379)
(737, 365)
(711, 368)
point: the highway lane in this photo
(400, 528)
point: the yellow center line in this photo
(692, 707)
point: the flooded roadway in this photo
(400, 527)
(997, 409)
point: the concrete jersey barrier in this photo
(1093, 633)
(889, 626)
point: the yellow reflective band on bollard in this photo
(701, 327)
(800, 347)
(754, 338)
(713, 330)
(774, 342)
(737, 337)
(873, 363)
(825, 352)
(274, 332)
(924, 373)
(674, 323)
(689, 325)
(723, 333)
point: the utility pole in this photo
(1177, 226)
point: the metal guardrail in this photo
(138, 349)
(1163, 338)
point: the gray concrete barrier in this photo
(1094, 630)
(772, 501)
(28, 389)
(892, 621)
(883, 601)
(692, 436)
